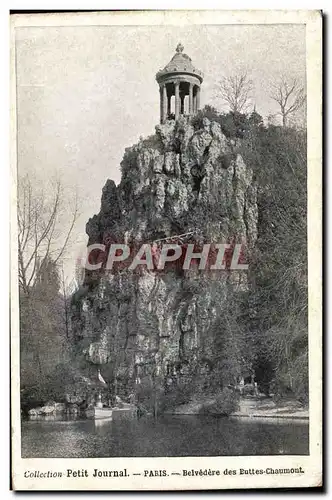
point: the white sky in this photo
(86, 93)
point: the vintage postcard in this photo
(166, 307)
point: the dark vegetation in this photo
(225, 403)
(44, 345)
(271, 323)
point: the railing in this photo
(178, 237)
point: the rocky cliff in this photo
(151, 330)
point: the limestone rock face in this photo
(139, 326)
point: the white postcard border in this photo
(311, 464)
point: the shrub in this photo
(225, 403)
(207, 112)
(233, 125)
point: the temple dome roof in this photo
(180, 63)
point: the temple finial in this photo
(179, 48)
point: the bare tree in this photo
(41, 234)
(65, 303)
(236, 91)
(67, 289)
(289, 94)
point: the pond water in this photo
(169, 435)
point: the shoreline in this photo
(304, 418)
(254, 408)
(237, 415)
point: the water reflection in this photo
(167, 436)
(103, 426)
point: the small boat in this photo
(100, 411)
(107, 412)
(122, 409)
(97, 412)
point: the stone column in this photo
(161, 104)
(164, 103)
(195, 103)
(191, 107)
(182, 104)
(177, 100)
(198, 95)
(169, 104)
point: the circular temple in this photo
(182, 80)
